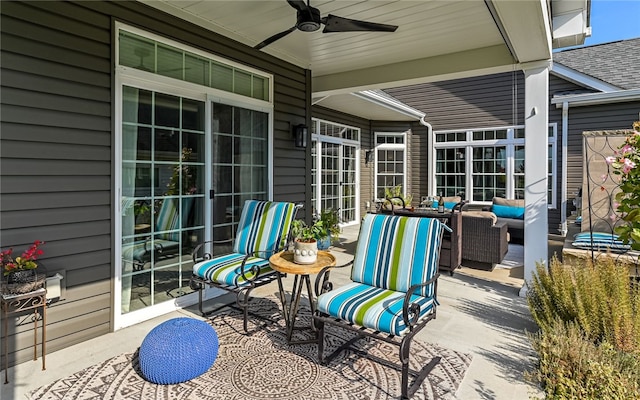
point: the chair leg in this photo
(319, 325)
(404, 360)
(199, 286)
(409, 390)
(242, 300)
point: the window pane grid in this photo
(489, 164)
(162, 174)
(149, 55)
(450, 172)
(390, 163)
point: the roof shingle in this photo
(617, 63)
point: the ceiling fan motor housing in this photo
(309, 20)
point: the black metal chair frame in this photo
(242, 292)
(410, 314)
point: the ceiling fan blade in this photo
(299, 5)
(273, 38)
(340, 24)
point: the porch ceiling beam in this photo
(484, 61)
(525, 27)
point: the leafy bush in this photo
(573, 367)
(626, 164)
(395, 196)
(599, 297)
(589, 342)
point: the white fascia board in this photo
(525, 26)
(589, 99)
(570, 23)
(382, 99)
(581, 79)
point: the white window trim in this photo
(158, 83)
(316, 140)
(156, 77)
(510, 142)
(390, 146)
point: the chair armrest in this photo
(322, 284)
(462, 206)
(411, 311)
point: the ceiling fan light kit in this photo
(308, 20)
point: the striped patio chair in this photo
(166, 238)
(263, 230)
(393, 290)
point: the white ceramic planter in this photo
(305, 253)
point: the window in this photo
(162, 179)
(154, 56)
(240, 150)
(390, 162)
(493, 161)
(335, 169)
(451, 171)
(189, 125)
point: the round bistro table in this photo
(283, 263)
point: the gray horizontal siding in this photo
(483, 101)
(56, 143)
(56, 158)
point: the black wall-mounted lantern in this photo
(368, 156)
(300, 135)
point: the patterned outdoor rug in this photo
(260, 365)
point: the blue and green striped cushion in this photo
(395, 252)
(140, 251)
(371, 307)
(263, 226)
(600, 241)
(168, 219)
(226, 269)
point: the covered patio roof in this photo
(435, 40)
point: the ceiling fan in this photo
(309, 20)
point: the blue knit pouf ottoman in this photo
(178, 350)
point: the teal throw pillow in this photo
(508, 211)
(447, 204)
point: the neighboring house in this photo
(475, 143)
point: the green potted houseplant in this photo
(329, 228)
(305, 244)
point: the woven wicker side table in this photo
(19, 303)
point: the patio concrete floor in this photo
(480, 313)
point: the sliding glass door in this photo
(239, 166)
(163, 160)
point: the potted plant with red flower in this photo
(21, 269)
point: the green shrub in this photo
(598, 297)
(573, 367)
(589, 340)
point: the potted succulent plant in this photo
(305, 244)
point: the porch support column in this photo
(536, 117)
